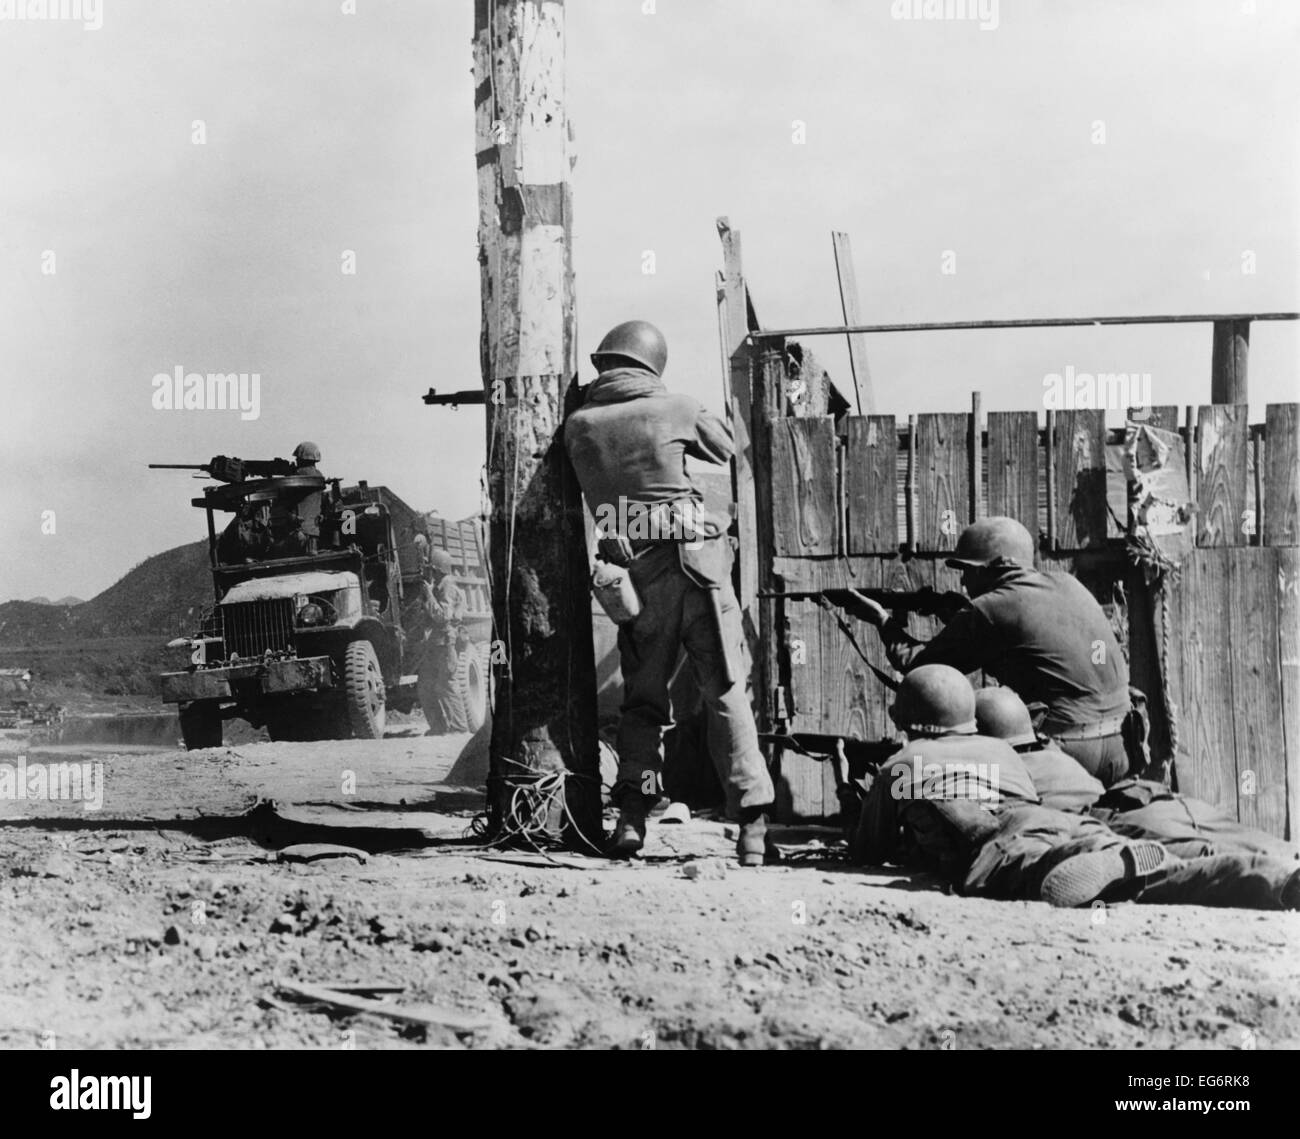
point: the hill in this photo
(160, 596)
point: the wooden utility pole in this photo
(544, 677)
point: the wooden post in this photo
(853, 315)
(976, 453)
(544, 712)
(1228, 361)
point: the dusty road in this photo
(164, 920)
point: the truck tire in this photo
(200, 725)
(363, 684)
(472, 689)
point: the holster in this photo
(1136, 732)
(615, 550)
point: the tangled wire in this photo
(534, 804)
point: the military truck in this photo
(316, 631)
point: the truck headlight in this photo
(311, 614)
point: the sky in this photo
(1079, 158)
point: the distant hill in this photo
(69, 600)
(161, 596)
(40, 601)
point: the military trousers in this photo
(443, 705)
(678, 613)
(1190, 828)
(1030, 841)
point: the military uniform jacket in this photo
(628, 444)
(1042, 635)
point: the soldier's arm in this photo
(713, 441)
(966, 643)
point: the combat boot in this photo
(751, 847)
(1085, 877)
(629, 831)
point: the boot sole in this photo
(1085, 877)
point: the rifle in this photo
(926, 601)
(226, 468)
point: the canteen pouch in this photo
(613, 588)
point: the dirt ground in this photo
(165, 920)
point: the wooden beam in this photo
(1047, 322)
(853, 315)
(544, 710)
(1228, 361)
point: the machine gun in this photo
(226, 468)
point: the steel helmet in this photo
(991, 538)
(934, 699)
(637, 340)
(441, 561)
(1000, 712)
(306, 453)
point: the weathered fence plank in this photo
(803, 654)
(1078, 457)
(1282, 486)
(804, 487)
(1164, 416)
(871, 484)
(1223, 486)
(942, 479)
(1013, 466)
(1288, 655)
(1206, 764)
(1256, 707)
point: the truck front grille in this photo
(251, 628)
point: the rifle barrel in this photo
(178, 466)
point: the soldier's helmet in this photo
(1000, 712)
(934, 699)
(306, 453)
(637, 340)
(441, 561)
(991, 538)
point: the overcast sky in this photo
(328, 131)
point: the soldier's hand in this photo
(865, 609)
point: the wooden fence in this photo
(867, 501)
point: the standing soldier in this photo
(445, 604)
(1041, 634)
(628, 444)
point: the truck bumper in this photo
(306, 674)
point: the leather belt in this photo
(1101, 728)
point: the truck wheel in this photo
(201, 725)
(472, 689)
(363, 682)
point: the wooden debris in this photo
(316, 851)
(424, 1015)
